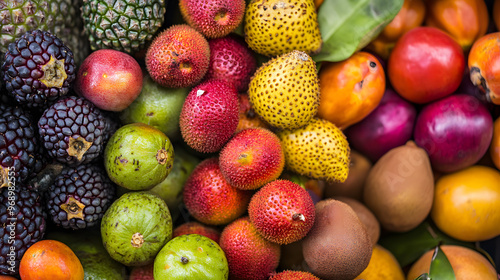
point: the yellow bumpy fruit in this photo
(285, 90)
(275, 27)
(319, 150)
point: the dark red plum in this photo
(390, 125)
(456, 131)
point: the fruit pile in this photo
(259, 139)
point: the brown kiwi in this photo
(359, 167)
(338, 246)
(365, 215)
(400, 188)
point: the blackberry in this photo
(19, 147)
(72, 130)
(79, 196)
(23, 223)
(38, 68)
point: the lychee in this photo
(248, 254)
(209, 116)
(231, 60)
(210, 199)
(213, 18)
(178, 57)
(282, 211)
(293, 275)
(252, 158)
(198, 228)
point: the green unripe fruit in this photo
(138, 156)
(191, 256)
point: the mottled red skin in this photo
(426, 64)
(204, 15)
(248, 117)
(110, 79)
(273, 207)
(231, 60)
(144, 272)
(209, 120)
(293, 275)
(178, 57)
(252, 158)
(210, 199)
(248, 254)
(197, 228)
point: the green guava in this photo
(136, 227)
(191, 256)
(157, 106)
(171, 188)
(138, 156)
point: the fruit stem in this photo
(298, 217)
(78, 147)
(162, 156)
(73, 208)
(54, 74)
(4, 177)
(184, 260)
(137, 240)
(46, 176)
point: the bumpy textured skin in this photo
(293, 275)
(125, 26)
(248, 117)
(285, 90)
(319, 150)
(198, 228)
(231, 60)
(87, 184)
(23, 69)
(210, 199)
(275, 27)
(144, 272)
(249, 255)
(19, 146)
(72, 118)
(29, 219)
(273, 211)
(209, 116)
(252, 158)
(178, 57)
(213, 18)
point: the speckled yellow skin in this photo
(284, 92)
(319, 150)
(275, 27)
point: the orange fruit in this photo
(467, 264)
(383, 265)
(495, 144)
(466, 203)
(50, 259)
(350, 89)
(2, 277)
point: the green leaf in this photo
(349, 25)
(440, 266)
(407, 247)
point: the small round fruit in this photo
(50, 259)
(467, 264)
(110, 79)
(470, 199)
(426, 64)
(191, 256)
(483, 59)
(135, 228)
(382, 265)
(290, 274)
(143, 272)
(138, 156)
(198, 228)
(358, 81)
(495, 144)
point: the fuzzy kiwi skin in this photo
(338, 246)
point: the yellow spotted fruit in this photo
(282, 211)
(213, 18)
(248, 254)
(252, 158)
(319, 150)
(400, 188)
(178, 57)
(285, 90)
(210, 199)
(470, 198)
(276, 27)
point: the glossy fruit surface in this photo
(350, 89)
(50, 259)
(495, 144)
(425, 54)
(383, 265)
(466, 203)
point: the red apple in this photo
(110, 79)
